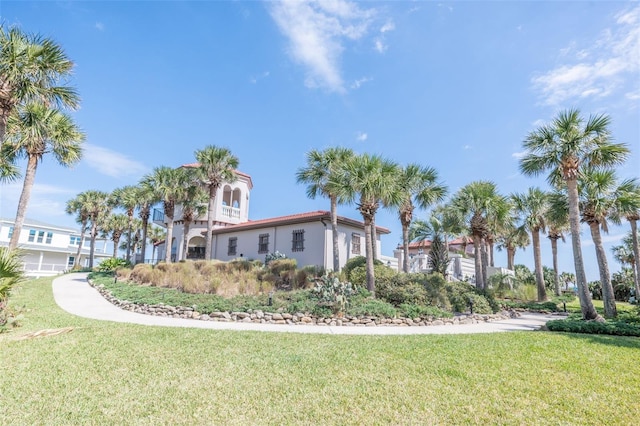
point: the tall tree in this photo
(34, 131)
(215, 166)
(126, 197)
(557, 219)
(113, 228)
(98, 208)
(321, 172)
(564, 148)
(31, 69)
(369, 179)
(169, 185)
(194, 205)
(146, 198)
(477, 202)
(628, 207)
(416, 185)
(533, 207)
(79, 206)
(624, 254)
(512, 237)
(155, 235)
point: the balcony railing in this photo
(232, 212)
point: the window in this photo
(355, 243)
(74, 240)
(32, 235)
(49, 237)
(263, 243)
(40, 236)
(10, 231)
(298, 240)
(71, 261)
(233, 245)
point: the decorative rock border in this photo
(261, 317)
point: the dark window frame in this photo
(297, 240)
(263, 243)
(232, 246)
(356, 243)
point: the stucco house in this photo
(306, 237)
(50, 249)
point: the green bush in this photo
(333, 293)
(113, 263)
(372, 307)
(616, 328)
(383, 275)
(460, 294)
(353, 263)
(533, 306)
(415, 311)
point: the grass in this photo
(110, 373)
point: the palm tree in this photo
(415, 184)
(146, 198)
(79, 206)
(98, 207)
(127, 198)
(215, 166)
(567, 277)
(113, 228)
(598, 191)
(557, 219)
(31, 67)
(511, 238)
(322, 169)
(193, 206)
(564, 148)
(11, 273)
(628, 206)
(533, 207)
(155, 235)
(371, 180)
(168, 185)
(624, 254)
(34, 131)
(479, 203)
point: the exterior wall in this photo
(47, 259)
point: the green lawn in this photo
(109, 373)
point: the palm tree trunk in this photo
(608, 295)
(168, 240)
(405, 246)
(371, 280)
(29, 178)
(92, 246)
(144, 215)
(334, 233)
(211, 207)
(556, 273)
(491, 254)
(130, 215)
(485, 263)
(542, 291)
(586, 305)
(636, 256)
(511, 255)
(185, 238)
(76, 262)
(374, 239)
(116, 242)
(478, 261)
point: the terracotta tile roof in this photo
(427, 243)
(238, 172)
(292, 219)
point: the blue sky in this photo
(452, 85)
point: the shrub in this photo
(616, 328)
(353, 263)
(372, 307)
(384, 276)
(415, 311)
(533, 306)
(273, 256)
(113, 263)
(333, 293)
(461, 294)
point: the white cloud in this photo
(389, 26)
(111, 163)
(538, 123)
(605, 68)
(259, 77)
(99, 26)
(361, 136)
(519, 155)
(44, 198)
(317, 31)
(359, 82)
(467, 147)
(379, 45)
(606, 239)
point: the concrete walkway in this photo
(73, 294)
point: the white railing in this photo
(43, 269)
(229, 211)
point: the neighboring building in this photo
(306, 237)
(50, 249)
(461, 266)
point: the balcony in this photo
(158, 217)
(232, 212)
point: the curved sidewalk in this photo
(73, 293)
